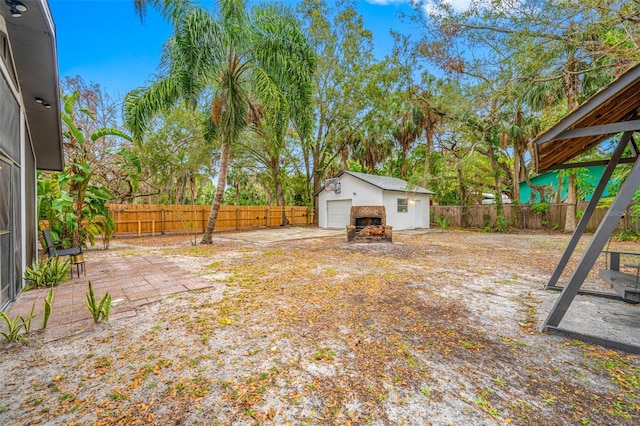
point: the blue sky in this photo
(104, 41)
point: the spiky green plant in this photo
(26, 322)
(99, 310)
(48, 272)
(48, 307)
(14, 326)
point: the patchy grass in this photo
(436, 329)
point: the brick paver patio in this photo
(132, 281)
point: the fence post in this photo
(162, 221)
(153, 228)
(266, 217)
(237, 213)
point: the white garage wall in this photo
(406, 220)
(425, 220)
(398, 220)
(359, 192)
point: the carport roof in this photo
(612, 110)
(388, 183)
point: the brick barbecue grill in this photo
(369, 224)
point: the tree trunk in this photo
(463, 188)
(571, 91)
(403, 165)
(519, 169)
(317, 179)
(572, 205)
(559, 188)
(225, 155)
(496, 178)
(427, 152)
(275, 163)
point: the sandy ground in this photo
(437, 328)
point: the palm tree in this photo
(255, 65)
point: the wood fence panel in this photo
(159, 218)
(522, 216)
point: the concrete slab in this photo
(275, 235)
(599, 317)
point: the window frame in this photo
(402, 205)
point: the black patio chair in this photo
(58, 250)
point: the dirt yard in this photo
(439, 328)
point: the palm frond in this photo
(171, 10)
(234, 19)
(142, 104)
(283, 52)
(275, 105)
(235, 98)
(109, 132)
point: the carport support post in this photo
(591, 207)
(604, 231)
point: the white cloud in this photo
(459, 5)
(386, 2)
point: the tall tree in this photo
(176, 157)
(247, 60)
(527, 61)
(350, 87)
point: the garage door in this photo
(338, 213)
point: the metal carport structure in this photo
(614, 110)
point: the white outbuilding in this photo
(406, 205)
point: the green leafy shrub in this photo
(502, 225)
(47, 272)
(99, 311)
(443, 223)
(630, 234)
(74, 206)
(540, 208)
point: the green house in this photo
(589, 176)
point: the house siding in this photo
(589, 175)
(408, 219)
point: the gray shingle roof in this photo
(388, 183)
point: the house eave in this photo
(33, 44)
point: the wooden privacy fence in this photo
(484, 215)
(160, 218)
